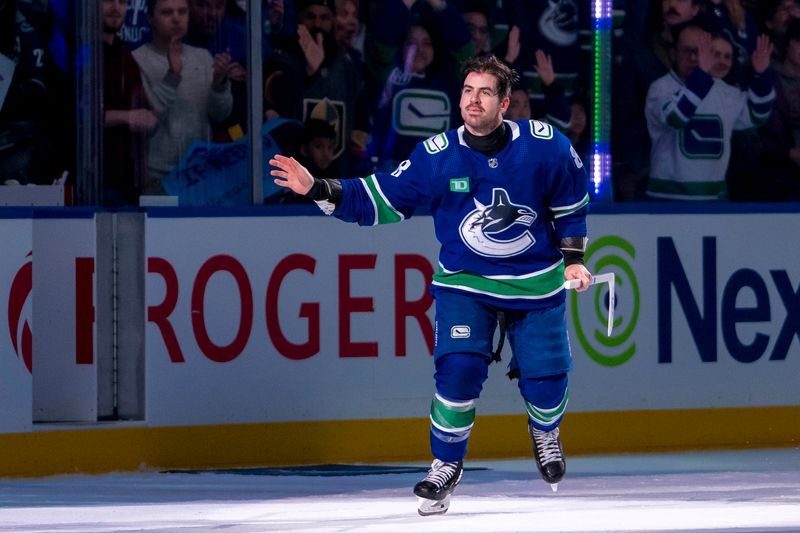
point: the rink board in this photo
(309, 318)
(118, 448)
(305, 340)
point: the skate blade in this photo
(428, 507)
(554, 487)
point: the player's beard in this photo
(482, 124)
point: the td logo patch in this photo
(459, 184)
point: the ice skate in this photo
(549, 455)
(433, 492)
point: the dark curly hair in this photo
(489, 64)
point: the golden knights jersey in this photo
(498, 218)
(690, 126)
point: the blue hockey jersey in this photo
(498, 218)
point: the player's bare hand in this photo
(291, 174)
(579, 272)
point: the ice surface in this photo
(734, 491)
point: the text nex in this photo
(161, 314)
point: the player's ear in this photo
(504, 103)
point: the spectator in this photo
(729, 18)
(674, 14)
(317, 144)
(644, 57)
(350, 42)
(413, 71)
(23, 113)
(479, 16)
(307, 76)
(555, 108)
(782, 133)
(185, 85)
(127, 113)
(519, 105)
(555, 28)
(578, 131)
(777, 15)
(476, 16)
(348, 29)
(691, 115)
(722, 51)
(745, 143)
(211, 28)
(317, 147)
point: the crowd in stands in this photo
(705, 96)
(719, 89)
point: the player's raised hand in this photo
(291, 174)
(762, 54)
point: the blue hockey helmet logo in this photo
(499, 229)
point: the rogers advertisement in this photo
(291, 318)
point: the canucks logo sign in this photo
(421, 112)
(499, 229)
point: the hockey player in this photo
(509, 202)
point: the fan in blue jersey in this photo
(509, 202)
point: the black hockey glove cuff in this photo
(573, 249)
(326, 190)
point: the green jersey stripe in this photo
(547, 283)
(568, 209)
(385, 213)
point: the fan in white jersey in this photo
(691, 116)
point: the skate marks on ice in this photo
(734, 492)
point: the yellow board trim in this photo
(103, 449)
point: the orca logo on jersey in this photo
(499, 229)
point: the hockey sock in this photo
(545, 400)
(451, 423)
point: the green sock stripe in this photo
(546, 417)
(452, 416)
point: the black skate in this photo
(549, 455)
(434, 491)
